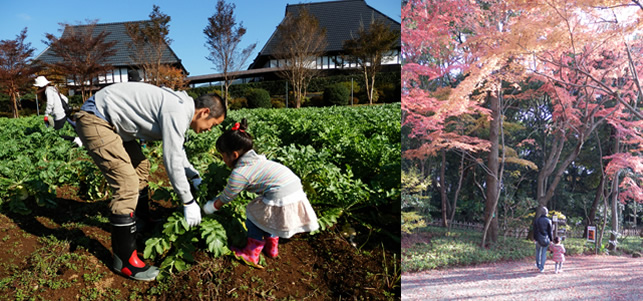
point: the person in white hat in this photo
(54, 113)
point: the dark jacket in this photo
(543, 230)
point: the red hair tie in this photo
(236, 127)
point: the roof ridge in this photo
(383, 14)
(109, 23)
(322, 2)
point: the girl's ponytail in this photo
(235, 139)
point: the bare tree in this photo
(301, 42)
(15, 67)
(150, 41)
(83, 54)
(368, 48)
(172, 77)
(223, 36)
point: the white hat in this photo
(41, 81)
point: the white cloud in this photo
(24, 16)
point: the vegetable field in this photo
(55, 231)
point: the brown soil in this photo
(63, 253)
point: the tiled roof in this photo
(340, 18)
(118, 33)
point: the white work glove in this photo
(192, 213)
(209, 208)
(49, 121)
(196, 182)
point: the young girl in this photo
(559, 254)
(281, 210)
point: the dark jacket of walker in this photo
(543, 230)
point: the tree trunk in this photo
(367, 83)
(372, 89)
(14, 104)
(599, 241)
(298, 96)
(457, 191)
(614, 232)
(226, 86)
(635, 216)
(600, 193)
(493, 164)
(443, 189)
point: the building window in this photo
(118, 75)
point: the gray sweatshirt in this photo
(139, 110)
(54, 106)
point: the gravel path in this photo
(583, 278)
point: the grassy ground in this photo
(434, 247)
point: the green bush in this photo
(411, 221)
(237, 103)
(390, 93)
(461, 247)
(196, 92)
(363, 98)
(577, 246)
(76, 101)
(387, 82)
(317, 101)
(354, 85)
(258, 98)
(278, 102)
(337, 94)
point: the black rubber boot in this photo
(142, 205)
(143, 211)
(126, 260)
(144, 221)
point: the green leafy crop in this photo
(348, 159)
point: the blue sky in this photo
(189, 18)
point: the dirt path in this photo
(583, 278)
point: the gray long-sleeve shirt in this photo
(142, 111)
(54, 106)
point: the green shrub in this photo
(196, 92)
(237, 103)
(383, 82)
(363, 98)
(337, 94)
(577, 246)
(461, 247)
(390, 93)
(278, 102)
(258, 98)
(411, 221)
(317, 101)
(76, 100)
(354, 85)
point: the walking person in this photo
(558, 254)
(109, 124)
(543, 236)
(55, 115)
(282, 208)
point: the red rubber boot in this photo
(250, 254)
(126, 261)
(271, 249)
